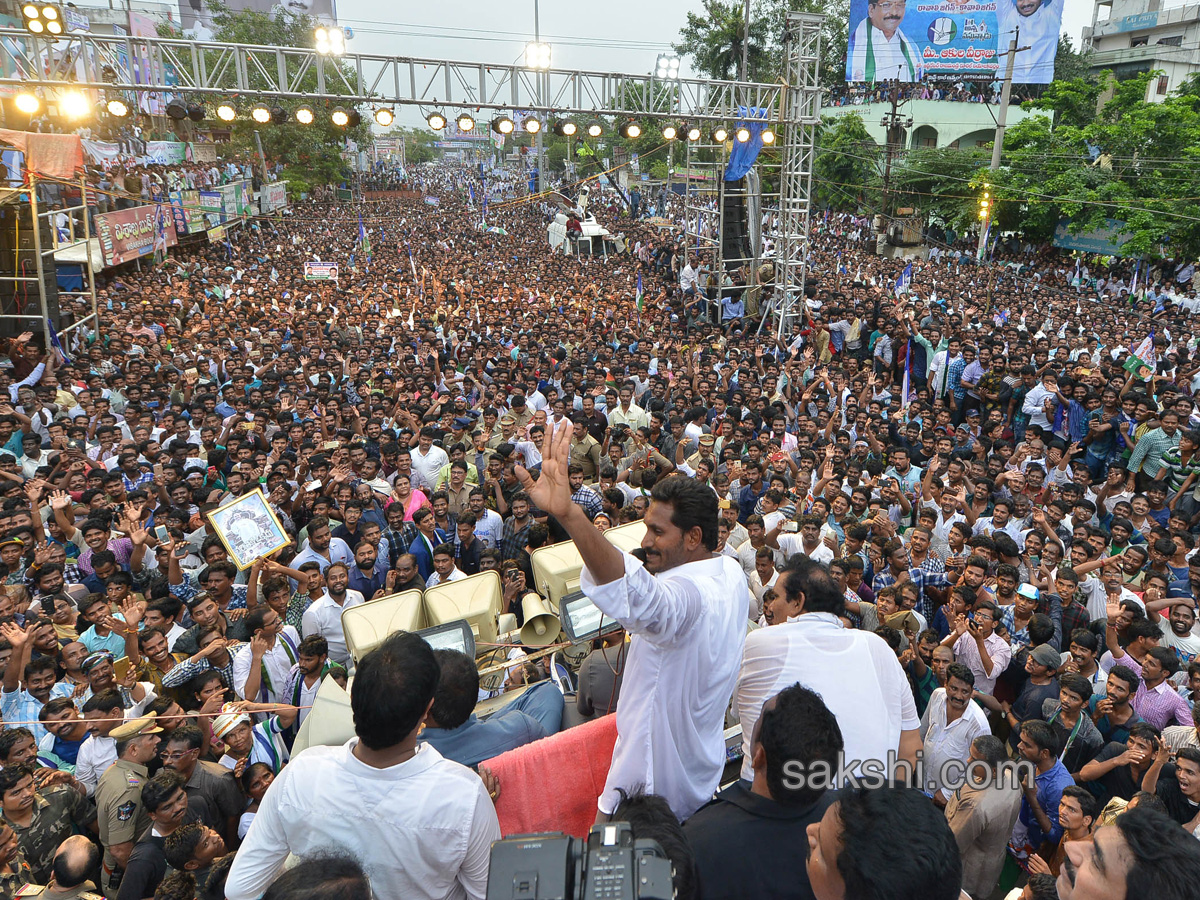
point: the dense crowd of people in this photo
(932, 547)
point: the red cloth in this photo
(52, 155)
(553, 784)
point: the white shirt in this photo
(278, 662)
(95, 755)
(793, 544)
(422, 830)
(435, 579)
(948, 742)
(426, 466)
(324, 617)
(688, 626)
(855, 672)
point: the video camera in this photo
(609, 865)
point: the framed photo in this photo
(248, 528)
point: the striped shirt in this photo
(1160, 706)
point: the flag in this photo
(640, 299)
(905, 279)
(1133, 285)
(363, 241)
(160, 235)
(907, 394)
(471, 191)
(1144, 359)
(57, 344)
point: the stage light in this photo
(768, 136)
(354, 118)
(339, 117)
(595, 129)
(28, 103)
(532, 125)
(118, 108)
(466, 122)
(668, 66)
(670, 132)
(177, 110)
(565, 128)
(631, 130)
(503, 125)
(742, 134)
(260, 114)
(330, 40)
(537, 55)
(304, 115)
(384, 117)
(436, 121)
(226, 112)
(196, 112)
(74, 105)
(42, 18)
(693, 132)
(279, 115)
(720, 134)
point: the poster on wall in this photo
(129, 233)
(907, 41)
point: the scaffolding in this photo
(725, 218)
(70, 229)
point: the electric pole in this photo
(1001, 125)
(894, 125)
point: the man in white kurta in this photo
(1036, 24)
(879, 50)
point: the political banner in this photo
(320, 271)
(129, 233)
(891, 39)
(211, 208)
(236, 200)
(166, 153)
(272, 196)
(189, 217)
(102, 153)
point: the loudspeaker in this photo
(541, 625)
(18, 257)
(735, 243)
(368, 625)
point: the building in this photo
(936, 123)
(1134, 36)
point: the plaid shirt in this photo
(921, 579)
(589, 500)
(954, 374)
(185, 671)
(514, 538)
(1074, 615)
(133, 484)
(20, 708)
(1159, 706)
(398, 542)
(1151, 447)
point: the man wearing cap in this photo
(247, 743)
(119, 810)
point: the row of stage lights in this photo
(75, 105)
(594, 129)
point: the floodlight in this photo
(503, 125)
(384, 117)
(226, 112)
(436, 121)
(260, 114)
(466, 122)
(339, 117)
(118, 108)
(304, 115)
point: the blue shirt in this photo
(1050, 785)
(536, 714)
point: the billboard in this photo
(273, 196)
(196, 16)
(908, 41)
(189, 216)
(130, 233)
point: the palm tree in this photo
(715, 39)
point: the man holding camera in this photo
(686, 610)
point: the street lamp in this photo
(537, 55)
(330, 40)
(668, 66)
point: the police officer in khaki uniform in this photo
(120, 814)
(76, 857)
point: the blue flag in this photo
(904, 280)
(57, 344)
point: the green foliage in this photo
(847, 162)
(935, 180)
(312, 152)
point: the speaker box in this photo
(18, 258)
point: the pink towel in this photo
(553, 784)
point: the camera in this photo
(610, 865)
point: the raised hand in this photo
(551, 493)
(60, 500)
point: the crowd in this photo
(959, 90)
(942, 530)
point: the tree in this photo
(714, 41)
(846, 163)
(312, 153)
(937, 181)
(1069, 63)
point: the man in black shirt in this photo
(1118, 769)
(740, 837)
(169, 807)
(1178, 785)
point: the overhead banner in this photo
(891, 39)
(166, 153)
(129, 233)
(272, 196)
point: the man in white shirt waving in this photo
(420, 825)
(686, 610)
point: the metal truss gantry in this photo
(208, 70)
(778, 188)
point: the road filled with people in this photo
(931, 547)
